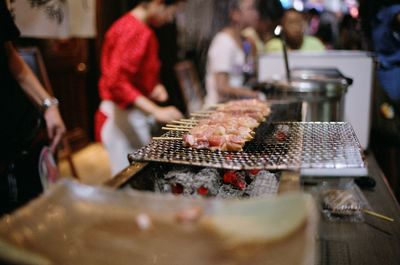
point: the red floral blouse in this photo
(130, 64)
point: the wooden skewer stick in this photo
(175, 129)
(180, 126)
(378, 215)
(167, 138)
(193, 120)
(217, 105)
(187, 125)
(186, 121)
(200, 114)
(205, 111)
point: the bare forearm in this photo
(226, 90)
(161, 114)
(33, 89)
(146, 105)
(25, 77)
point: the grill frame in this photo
(307, 145)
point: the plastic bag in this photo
(342, 202)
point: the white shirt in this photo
(224, 56)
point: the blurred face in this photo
(293, 24)
(265, 27)
(247, 15)
(161, 14)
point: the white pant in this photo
(124, 132)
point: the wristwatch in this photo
(49, 102)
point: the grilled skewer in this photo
(229, 127)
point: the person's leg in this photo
(139, 130)
(26, 171)
(5, 204)
(123, 132)
(19, 180)
(112, 138)
(116, 145)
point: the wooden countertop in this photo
(375, 241)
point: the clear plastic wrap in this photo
(78, 224)
(342, 201)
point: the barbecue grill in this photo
(279, 145)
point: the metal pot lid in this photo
(322, 81)
(332, 87)
(316, 73)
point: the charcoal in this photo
(264, 184)
(227, 191)
(208, 178)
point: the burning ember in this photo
(210, 182)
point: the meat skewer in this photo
(229, 127)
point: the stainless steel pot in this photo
(321, 92)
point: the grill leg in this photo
(289, 181)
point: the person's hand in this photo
(159, 93)
(247, 93)
(167, 114)
(55, 127)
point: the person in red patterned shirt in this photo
(129, 84)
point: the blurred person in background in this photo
(384, 29)
(294, 25)
(226, 56)
(312, 17)
(350, 34)
(271, 12)
(381, 23)
(24, 106)
(327, 31)
(129, 85)
(168, 36)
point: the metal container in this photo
(321, 92)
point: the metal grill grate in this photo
(277, 146)
(330, 145)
